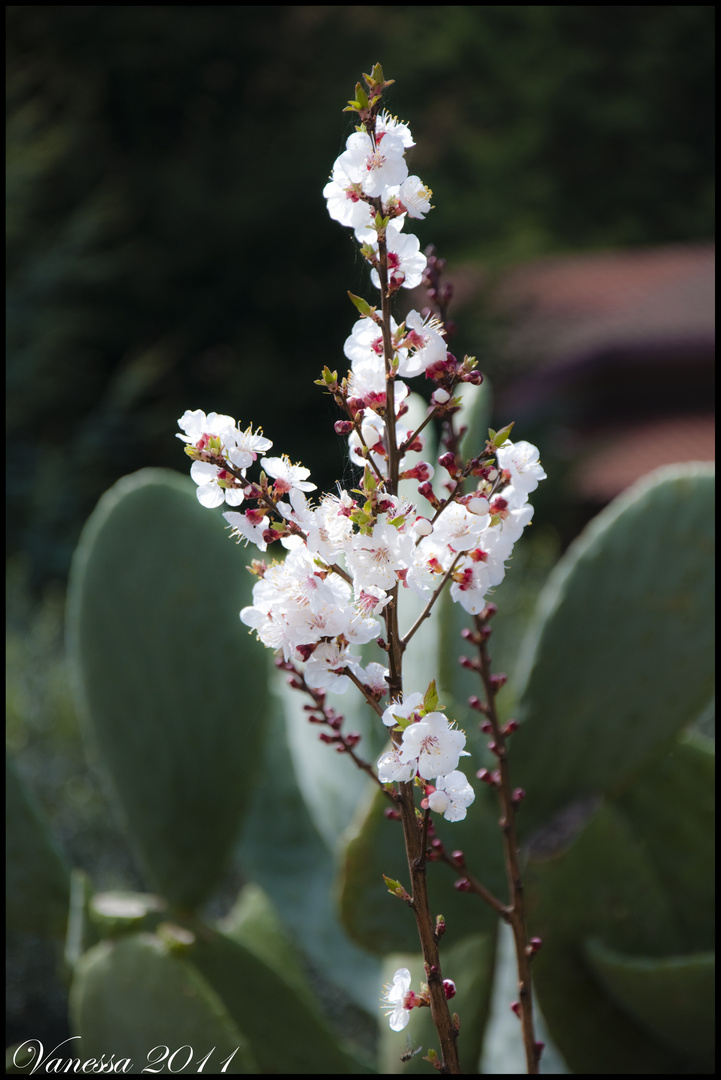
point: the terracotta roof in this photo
(622, 457)
(568, 307)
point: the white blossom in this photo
(406, 262)
(211, 481)
(411, 702)
(376, 559)
(392, 769)
(394, 997)
(376, 166)
(521, 460)
(452, 797)
(415, 196)
(433, 746)
(286, 475)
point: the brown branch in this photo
(515, 911)
(429, 606)
(372, 701)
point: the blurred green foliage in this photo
(168, 246)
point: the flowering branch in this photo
(345, 558)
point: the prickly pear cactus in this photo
(170, 689)
(620, 823)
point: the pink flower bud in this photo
(427, 492)
(448, 462)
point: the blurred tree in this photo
(168, 245)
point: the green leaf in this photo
(136, 994)
(254, 923)
(263, 1004)
(603, 885)
(672, 808)
(673, 998)
(470, 964)
(637, 884)
(499, 437)
(431, 699)
(169, 686)
(38, 877)
(285, 854)
(621, 655)
(363, 307)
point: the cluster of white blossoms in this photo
(349, 556)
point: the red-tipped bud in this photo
(516, 1008)
(392, 814)
(538, 1047)
(467, 662)
(533, 946)
(448, 462)
(477, 704)
(352, 739)
(489, 611)
(486, 777)
(324, 737)
(510, 727)
(462, 884)
(499, 680)
(518, 796)
(343, 427)
(486, 727)
(421, 471)
(495, 749)
(450, 988)
(459, 858)
(427, 492)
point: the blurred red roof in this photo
(617, 351)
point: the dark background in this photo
(169, 246)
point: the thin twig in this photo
(429, 606)
(516, 913)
